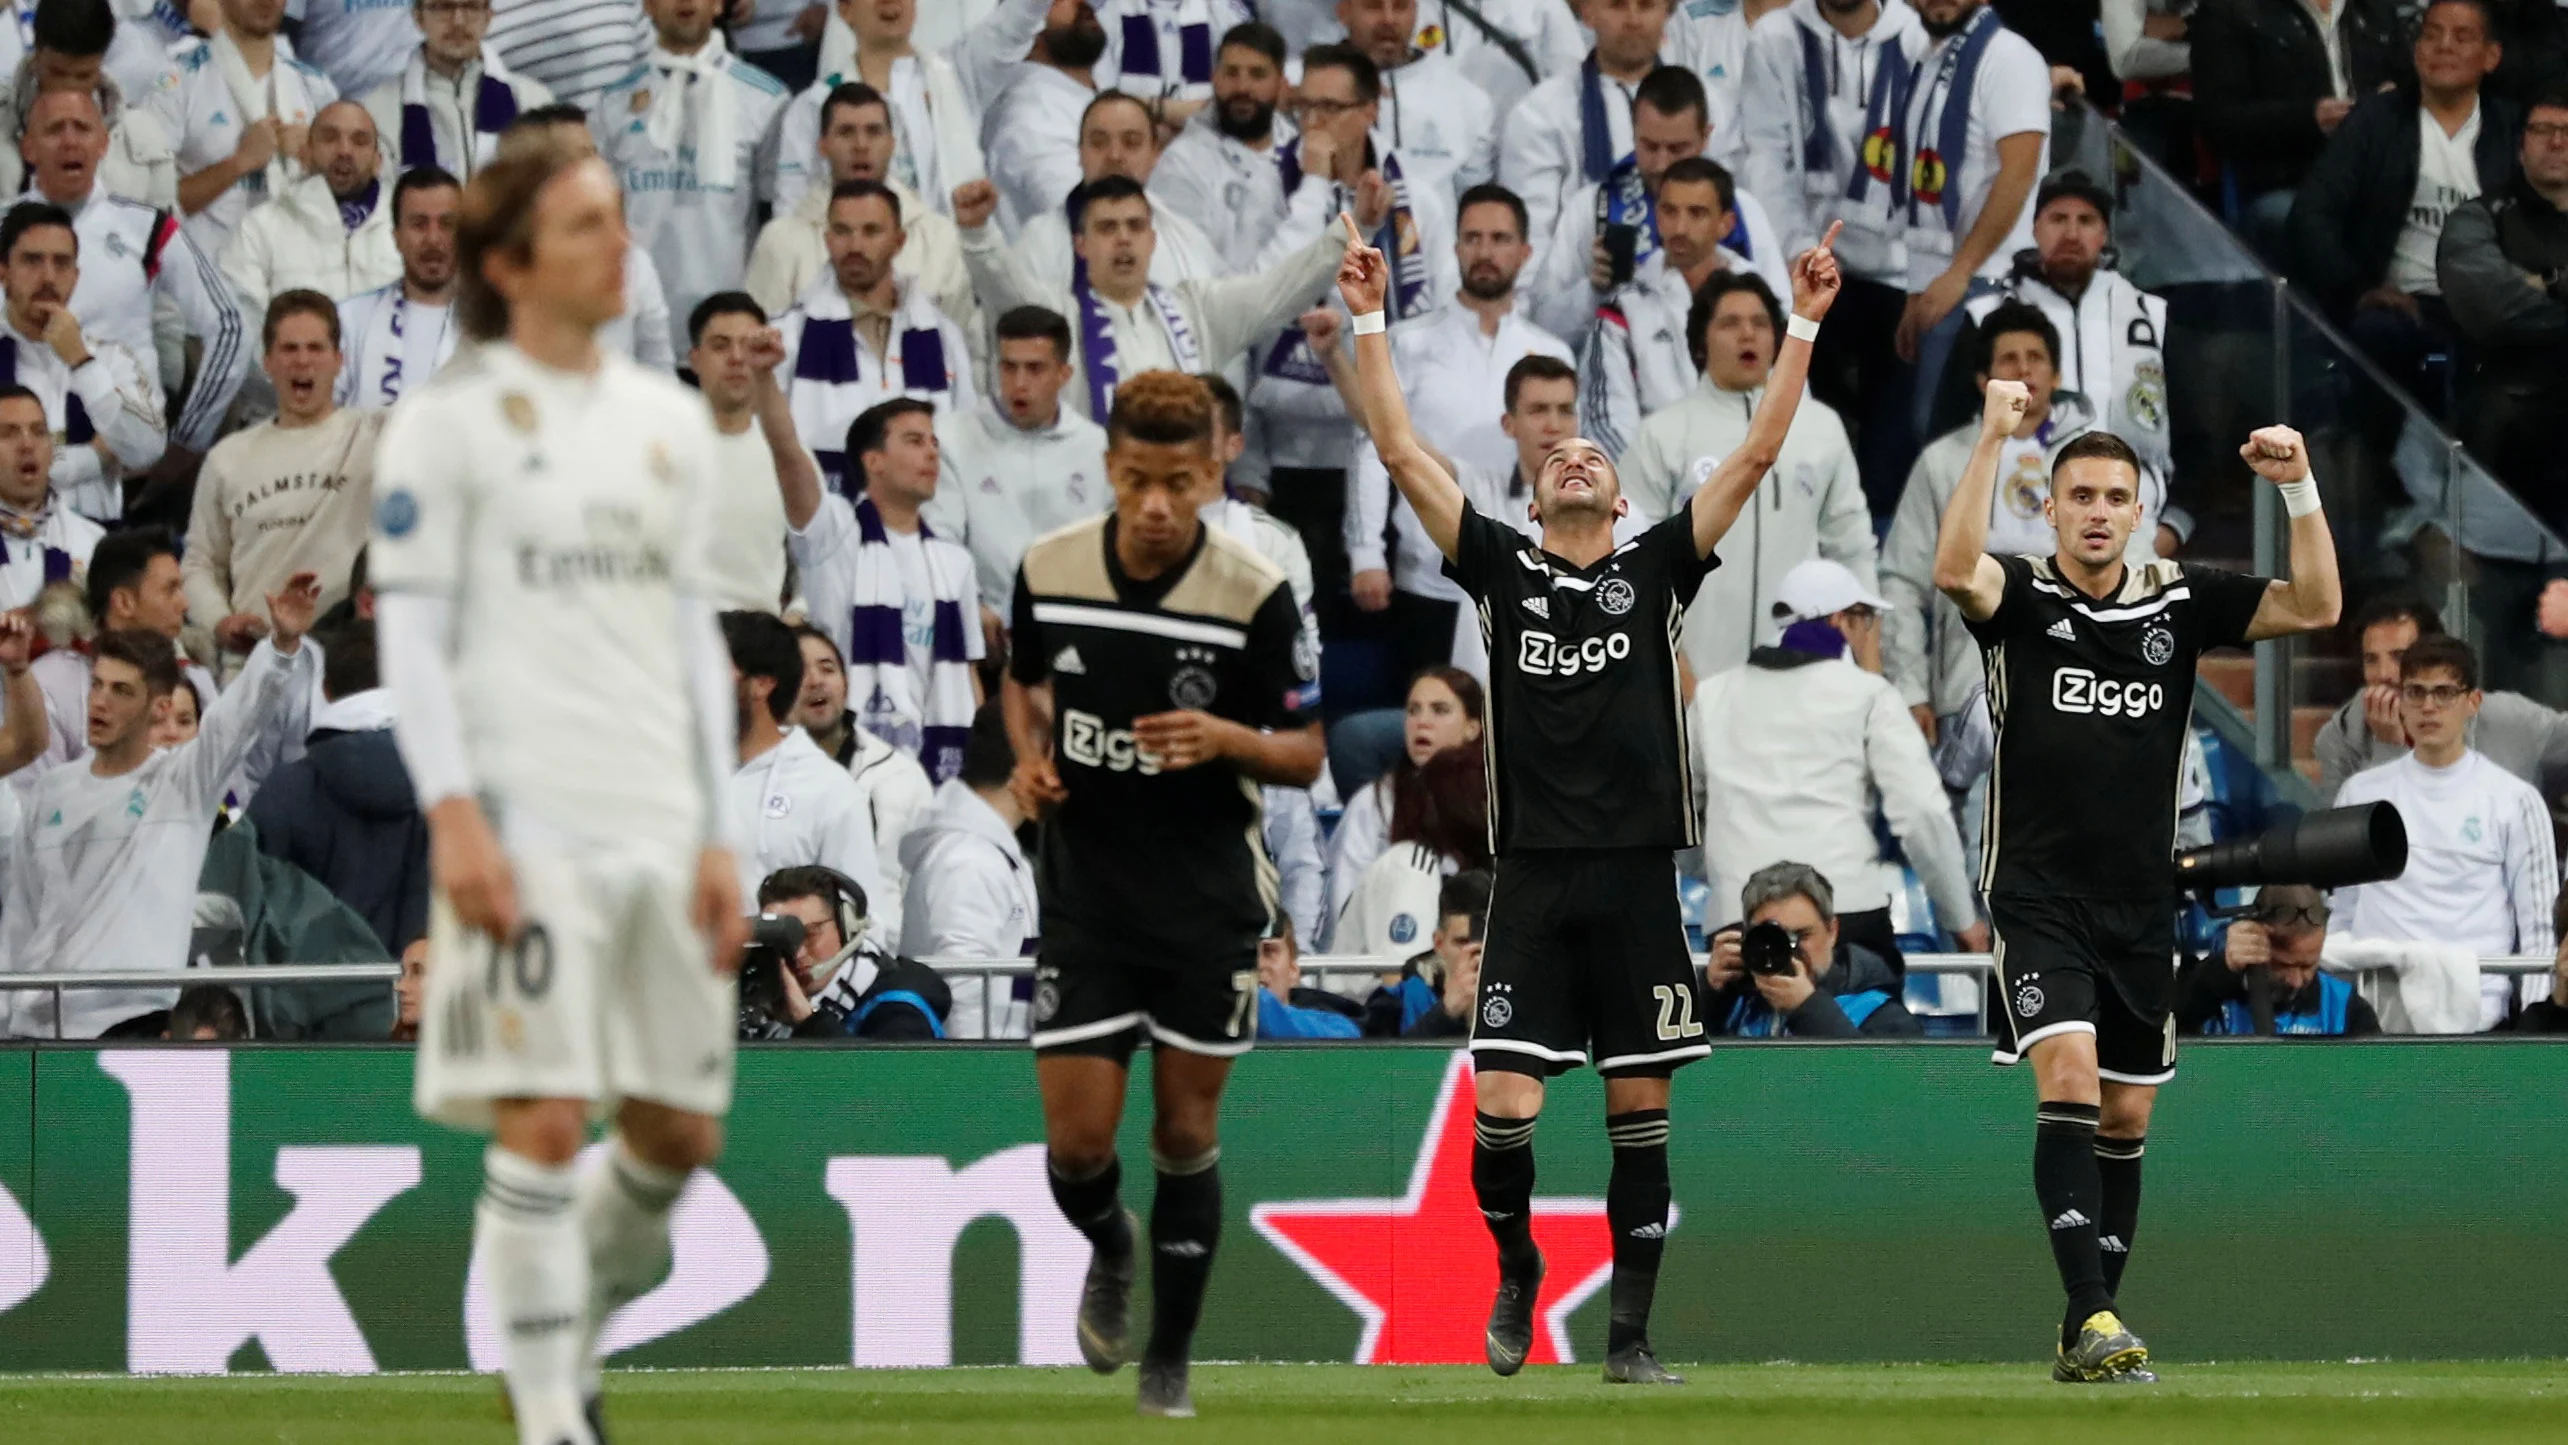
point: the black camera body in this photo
(1766, 948)
(775, 940)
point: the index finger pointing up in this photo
(1353, 235)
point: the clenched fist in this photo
(974, 203)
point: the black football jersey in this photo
(1166, 863)
(2091, 700)
(1586, 727)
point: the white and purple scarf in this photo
(1139, 53)
(1291, 358)
(1097, 331)
(881, 689)
(494, 106)
(829, 388)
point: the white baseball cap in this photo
(1821, 588)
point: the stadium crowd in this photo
(905, 252)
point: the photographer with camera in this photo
(2281, 939)
(808, 974)
(1788, 972)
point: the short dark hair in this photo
(2487, 15)
(1697, 171)
(120, 560)
(763, 646)
(1673, 90)
(805, 629)
(989, 755)
(1106, 98)
(1035, 323)
(1535, 366)
(1225, 400)
(2015, 317)
(1103, 188)
(851, 93)
(34, 215)
(560, 112)
(871, 429)
(1255, 35)
(2388, 607)
(2553, 96)
(1359, 68)
(1162, 408)
(2074, 185)
(77, 28)
(417, 179)
(722, 303)
(810, 880)
(2440, 652)
(148, 653)
(1490, 193)
(1707, 304)
(301, 301)
(348, 664)
(208, 1006)
(866, 190)
(2100, 446)
(15, 392)
(1465, 892)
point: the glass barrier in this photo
(2410, 508)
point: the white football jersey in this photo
(564, 515)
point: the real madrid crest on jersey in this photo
(662, 471)
(2145, 403)
(519, 410)
(2157, 645)
(2027, 486)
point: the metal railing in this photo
(244, 975)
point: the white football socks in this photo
(623, 1210)
(527, 1232)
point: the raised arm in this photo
(2312, 596)
(1963, 569)
(1363, 279)
(1716, 503)
(797, 473)
(23, 733)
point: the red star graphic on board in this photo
(1420, 1270)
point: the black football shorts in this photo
(1099, 1000)
(2101, 966)
(1585, 963)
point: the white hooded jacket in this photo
(1785, 126)
(1002, 486)
(298, 241)
(970, 895)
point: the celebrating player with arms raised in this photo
(565, 707)
(1586, 959)
(2090, 685)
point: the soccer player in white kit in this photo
(566, 712)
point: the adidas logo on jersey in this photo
(2063, 631)
(1067, 660)
(1539, 606)
(2070, 1219)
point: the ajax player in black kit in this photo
(2090, 685)
(1585, 960)
(1159, 674)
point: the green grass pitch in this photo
(1326, 1404)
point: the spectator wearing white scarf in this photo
(938, 97)
(686, 135)
(448, 104)
(239, 114)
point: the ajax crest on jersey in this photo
(1047, 999)
(1616, 596)
(2028, 999)
(1306, 654)
(1192, 687)
(1496, 1011)
(2157, 645)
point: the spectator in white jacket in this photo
(1427, 796)
(971, 890)
(76, 47)
(1020, 464)
(2483, 864)
(1793, 748)
(1576, 126)
(238, 115)
(1117, 137)
(395, 337)
(1220, 171)
(42, 542)
(452, 98)
(790, 803)
(856, 141)
(942, 95)
(1810, 505)
(643, 331)
(896, 789)
(1030, 131)
(1440, 122)
(1712, 41)
(329, 232)
(98, 397)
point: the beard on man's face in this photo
(1941, 29)
(1077, 45)
(1485, 282)
(1245, 118)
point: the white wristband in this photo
(1801, 328)
(1371, 323)
(2300, 498)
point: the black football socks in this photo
(1093, 1203)
(2066, 1182)
(1502, 1175)
(2117, 1164)
(1636, 1203)
(1185, 1229)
